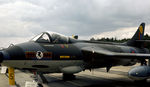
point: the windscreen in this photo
(51, 37)
(43, 37)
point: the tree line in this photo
(146, 37)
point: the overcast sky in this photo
(22, 19)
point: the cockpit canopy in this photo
(51, 37)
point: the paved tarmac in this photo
(117, 77)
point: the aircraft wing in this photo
(97, 52)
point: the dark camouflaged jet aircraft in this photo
(51, 52)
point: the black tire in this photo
(40, 85)
(67, 77)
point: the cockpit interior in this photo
(52, 37)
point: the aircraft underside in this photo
(55, 66)
(44, 65)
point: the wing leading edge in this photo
(103, 52)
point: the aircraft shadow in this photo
(83, 81)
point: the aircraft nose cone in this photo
(1, 57)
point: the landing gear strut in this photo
(39, 78)
(68, 77)
(143, 62)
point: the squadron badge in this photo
(39, 55)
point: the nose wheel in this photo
(67, 77)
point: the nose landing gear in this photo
(67, 77)
(40, 79)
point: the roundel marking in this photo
(132, 51)
(39, 55)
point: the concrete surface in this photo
(117, 77)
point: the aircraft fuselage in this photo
(50, 58)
